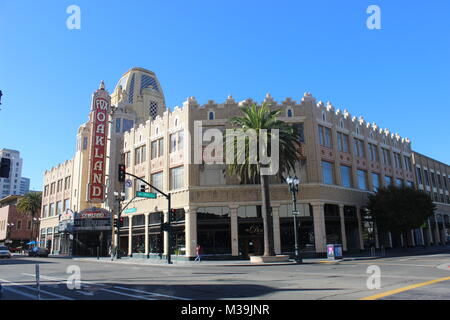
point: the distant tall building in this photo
(15, 184)
(24, 185)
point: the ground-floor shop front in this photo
(237, 231)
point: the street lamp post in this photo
(293, 188)
(10, 225)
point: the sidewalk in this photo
(177, 263)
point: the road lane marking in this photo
(113, 291)
(151, 293)
(6, 288)
(395, 291)
(34, 289)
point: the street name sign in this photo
(150, 195)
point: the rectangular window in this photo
(387, 181)
(127, 159)
(58, 208)
(399, 182)
(419, 175)
(137, 156)
(408, 165)
(439, 183)
(325, 136)
(173, 142)
(176, 178)
(66, 204)
(375, 181)
(346, 175)
(52, 210)
(67, 183)
(127, 125)
(19, 224)
(157, 180)
(362, 179)
(300, 131)
(46, 191)
(52, 188)
(29, 225)
(160, 147)
(45, 211)
(180, 140)
(327, 172)
(386, 157)
(410, 184)
(427, 178)
(397, 160)
(343, 142)
(144, 153)
(359, 148)
(154, 151)
(373, 152)
(433, 179)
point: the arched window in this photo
(289, 113)
(211, 115)
(341, 124)
(323, 116)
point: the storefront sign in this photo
(92, 219)
(99, 125)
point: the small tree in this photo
(30, 204)
(400, 209)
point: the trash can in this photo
(334, 251)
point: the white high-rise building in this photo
(14, 185)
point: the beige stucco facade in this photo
(343, 159)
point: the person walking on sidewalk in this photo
(198, 250)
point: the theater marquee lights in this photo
(99, 124)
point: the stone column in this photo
(146, 233)
(320, 235)
(276, 229)
(130, 235)
(53, 241)
(343, 233)
(191, 230)
(377, 239)
(413, 241)
(438, 236)
(358, 216)
(430, 234)
(234, 231)
(422, 239)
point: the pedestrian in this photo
(198, 250)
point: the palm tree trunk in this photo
(266, 211)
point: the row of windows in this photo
(156, 179)
(325, 140)
(49, 210)
(436, 179)
(328, 176)
(18, 225)
(58, 185)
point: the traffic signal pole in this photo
(167, 196)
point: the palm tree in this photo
(30, 204)
(250, 171)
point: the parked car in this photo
(4, 252)
(38, 252)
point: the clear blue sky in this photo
(398, 76)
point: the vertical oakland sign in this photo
(99, 132)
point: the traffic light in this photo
(173, 215)
(5, 165)
(121, 222)
(142, 187)
(115, 224)
(121, 173)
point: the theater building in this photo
(343, 159)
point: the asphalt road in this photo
(425, 277)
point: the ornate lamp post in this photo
(293, 188)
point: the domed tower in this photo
(139, 91)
